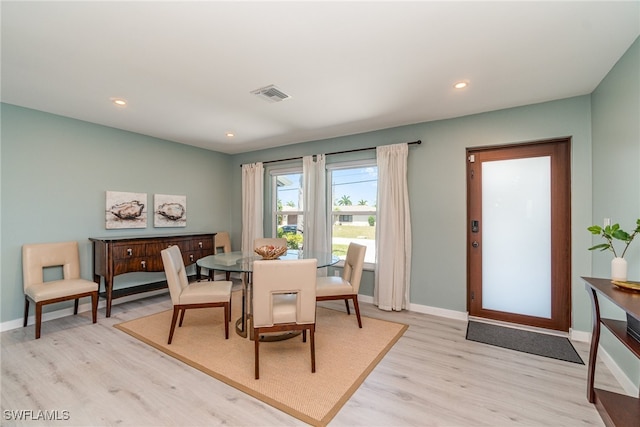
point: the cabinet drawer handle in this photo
(129, 251)
(200, 245)
(191, 257)
(144, 264)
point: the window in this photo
(353, 188)
(287, 206)
(354, 192)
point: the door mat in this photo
(525, 341)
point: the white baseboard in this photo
(626, 383)
(580, 336)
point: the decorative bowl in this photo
(270, 251)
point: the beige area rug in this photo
(345, 355)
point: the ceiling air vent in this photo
(271, 94)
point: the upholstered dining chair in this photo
(265, 241)
(38, 256)
(195, 295)
(284, 299)
(345, 287)
(222, 241)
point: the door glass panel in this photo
(516, 236)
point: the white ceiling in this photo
(187, 68)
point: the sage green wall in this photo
(55, 172)
(437, 189)
(616, 177)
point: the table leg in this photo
(595, 338)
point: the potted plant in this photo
(611, 233)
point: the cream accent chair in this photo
(37, 256)
(284, 299)
(223, 241)
(264, 241)
(195, 295)
(345, 287)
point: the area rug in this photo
(345, 355)
(545, 345)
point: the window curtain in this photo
(314, 183)
(252, 204)
(393, 232)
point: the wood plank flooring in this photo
(431, 377)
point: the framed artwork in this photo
(169, 211)
(125, 210)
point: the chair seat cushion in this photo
(205, 292)
(59, 288)
(332, 285)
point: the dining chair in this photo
(284, 299)
(39, 256)
(222, 241)
(185, 295)
(270, 241)
(345, 287)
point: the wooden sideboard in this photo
(118, 255)
(614, 408)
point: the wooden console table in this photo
(118, 255)
(614, 408)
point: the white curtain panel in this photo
(316, 227)
(252, 204)
(393, 230)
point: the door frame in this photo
(560, 153)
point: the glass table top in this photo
(243, 261)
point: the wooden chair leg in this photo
(227, 315)
(181, 317)
(346, 303)
(304, 335)
(76, 302)
(38, 319)
(94, 306)
(313, 347)
(173, 323)
(257, 352)
(357, 308)
(26, 311)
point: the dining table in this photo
(242, 262)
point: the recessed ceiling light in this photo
(461, 85)
(119, 102)
(230, 134)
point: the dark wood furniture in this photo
(614, 408)
(118, 255)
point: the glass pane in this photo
(289, 218)
(289, 191)
(516, 236)
(354, 193)
(292, 230)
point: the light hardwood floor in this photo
(431, 377)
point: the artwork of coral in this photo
(169, 211)
(125, 210)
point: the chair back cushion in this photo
(273, 283)
(175, 271)
(37, 256)
(222, 240)
(353, 265)
(274, 241)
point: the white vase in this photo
(619, 269)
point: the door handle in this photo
(475, 244)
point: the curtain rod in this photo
(418, 142)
